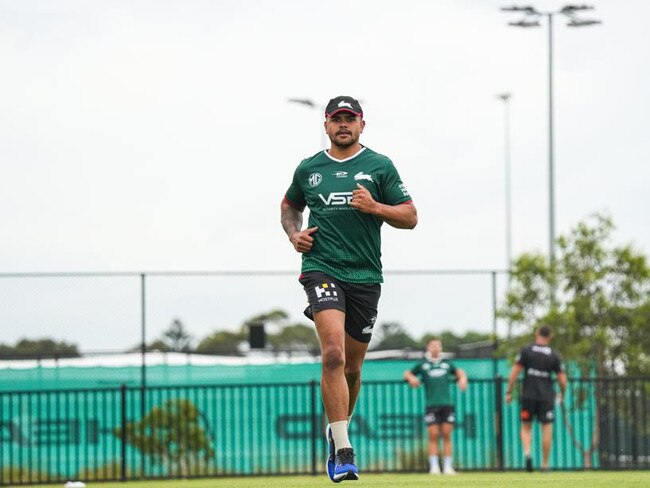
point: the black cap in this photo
(343, 104)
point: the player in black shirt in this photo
(538, 361)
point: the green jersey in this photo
(347, 244)
(435, 377)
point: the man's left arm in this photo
(461, 379)
(400, 216)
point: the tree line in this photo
(596, 296)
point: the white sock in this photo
(433, 461)
(340, 434)
(447, 461)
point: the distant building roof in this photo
(159, 358)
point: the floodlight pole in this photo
(530, 19)
(505, 97)
(551, 154)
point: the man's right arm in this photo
(291, 220)
(514, 374)
(411, 378)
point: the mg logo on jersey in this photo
(326, 291)
(315, 179)
(337, 198)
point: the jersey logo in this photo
(337, 198)
(435, 373)
(315, 179)
(344, 104)
(362, 176)
(340, 174)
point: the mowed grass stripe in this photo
(592, 479)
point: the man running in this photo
(350, 191)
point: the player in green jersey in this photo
(440, 416)
(350, 191)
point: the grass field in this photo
(636, 479)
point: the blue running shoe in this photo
(331, 455)
(345, 469)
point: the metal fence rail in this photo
(213, 430)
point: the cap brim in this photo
(343, 109)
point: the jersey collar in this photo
(363, 148)
(428, 357)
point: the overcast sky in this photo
(156, 135)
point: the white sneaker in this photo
(435, 469)
(450, 471)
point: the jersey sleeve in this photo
(393, 191)
(559, 365)
(452, 368)
(521, 357)
(294, 195)
(417, 369)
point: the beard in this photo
(344, 144)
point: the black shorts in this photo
(440, 415)
(543, 410)
(358, 301)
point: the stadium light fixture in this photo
(303, 101)
(308, 102)
(531, 19)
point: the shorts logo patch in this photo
(368, 328)
(550, 415)
(326, 292)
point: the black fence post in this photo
(498, 425)
(123, 432)
(314, 426)
(635, 427)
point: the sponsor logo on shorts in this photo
(326, 292)
(550, 415)
(368, 328)
(315, 179)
